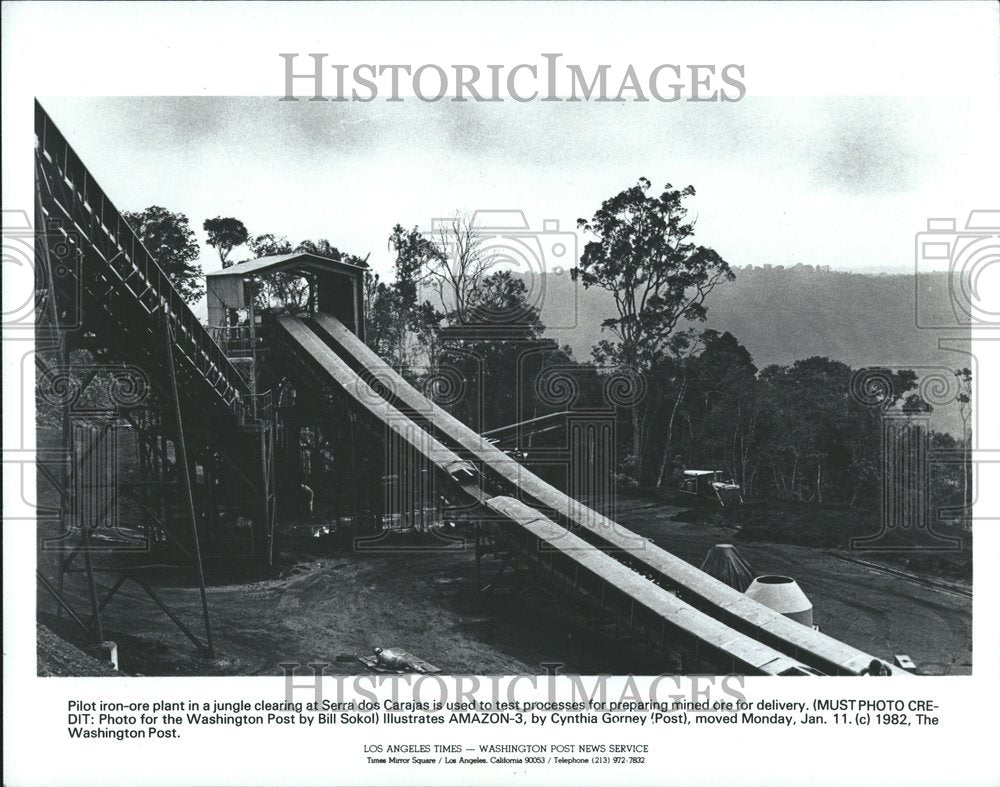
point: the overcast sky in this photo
(844, 182)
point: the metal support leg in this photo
(67, 464)
(68, 469)
(479, 556)
(265, 493)
(111, 593)
(95, 606)
(61, 602)
(206, 649)
(182, 466)
(355, 532)
(272, 512)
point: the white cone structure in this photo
(782, 594)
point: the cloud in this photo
(874, 147)
(772, 174)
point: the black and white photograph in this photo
(478, 445)
(630, 376)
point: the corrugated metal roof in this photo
(278, 260)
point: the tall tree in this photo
(711, 385)
(321, 248)
(964, 400)
(643, 254)
(169, 238)
(224, 235)
(399, 324)
(499, 370)
(459, 267)
(268, 245)
(416, 254)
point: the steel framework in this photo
(202, 440)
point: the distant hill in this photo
(784, 314)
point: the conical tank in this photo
(725, 563)
(782, 594)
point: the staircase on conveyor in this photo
(105, 286)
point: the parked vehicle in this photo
(711, 483)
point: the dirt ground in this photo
(881, 611)
(423, 601)
(422, 597)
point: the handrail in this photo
(188, 331)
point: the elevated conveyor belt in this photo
(325, 359)
(637, 603)
(702, 591)
(106, 286)
(660, 616)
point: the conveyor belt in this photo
(357, 389)
(703, 591)
(639, 604)
(646, 606)
(114, 290)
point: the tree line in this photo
(463, 327)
